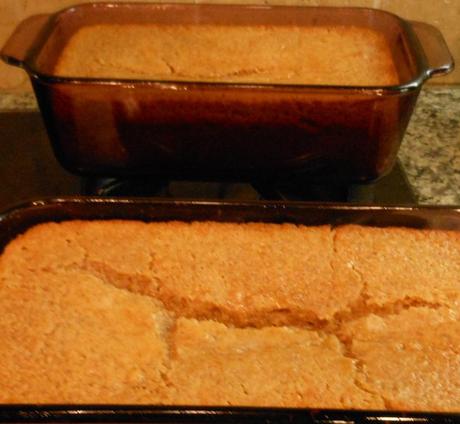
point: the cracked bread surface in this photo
(68, 337)
(203, 312)
(281, 366)
(425, 345)
(251, 274)
(401, 265)
(332, 55)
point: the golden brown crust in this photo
(206, 270)
(401, 265)
(68, 337)
(203, 312)
(411, 359)
(214, 363)
(335, 55)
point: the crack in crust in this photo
(148, 284)
(358, 366)
(306, 319)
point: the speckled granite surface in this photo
(12, 101)
(430, 152)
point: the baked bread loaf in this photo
(330, 55)
(211, 313)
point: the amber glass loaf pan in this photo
(192, 128)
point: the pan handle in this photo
(24, 38)
(439, 58)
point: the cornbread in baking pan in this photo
(325, 55)
(409, 358)
(208, 313)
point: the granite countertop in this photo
(430, 152)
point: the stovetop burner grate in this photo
(394, 188)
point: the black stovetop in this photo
(29, 170)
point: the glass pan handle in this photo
(23, 39)
(440, 60)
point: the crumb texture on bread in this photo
(211, 313)
(279, 366)
(401, 265)
(331, 55)
(412, 358)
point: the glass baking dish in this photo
(182, 129)
(19, 219)
(145, 414)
